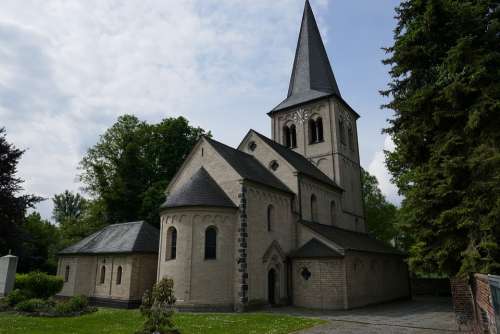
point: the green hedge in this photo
(38, 285)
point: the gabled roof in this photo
(200, 190)
(298, 161)
(314, 249)
(350, 240)
(312, 76)
(133, 237)
(248, 166)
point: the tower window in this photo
(210, 243)
(171, 250)
(270, 213)
(312, 131)
(290, 136)
(341, 132)
(286, 136)
(293, 135)
(319, 128)
(350, 138)
(314, 208)
(316, 130)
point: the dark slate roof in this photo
(298, 161)
(314, 249)
(200, 190)
(247, 166)
(133, 237)
(350, 240)
(312, 76)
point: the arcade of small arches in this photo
(315, 133)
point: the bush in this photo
(39, 285)
(4, 304)
(16, 296)
(72, 305)
(157, 307)
(33, 305)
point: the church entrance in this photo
(271, 286)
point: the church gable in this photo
(203, 155)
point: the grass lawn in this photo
(113, 321)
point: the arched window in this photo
(171, 249)
(119, 275)
(103, 274)
(66, 274)
(314, 208)
(341, 131)
(270, 217)
(211, 243)
(312, 131)
(293, 136)
(286, 136)
(332, 212)
(350, 138)
(319, 129)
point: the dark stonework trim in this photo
(242, 304)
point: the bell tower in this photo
(315, 121)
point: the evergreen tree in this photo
(445, 93)
(12, 205)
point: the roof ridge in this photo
(335, 227)
(235, 149)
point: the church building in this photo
(279, 221)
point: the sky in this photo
(69, 68)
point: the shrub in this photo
(72, 305)
(39, 285)
(16, 296)
(33, 305)
(4, 304)
(157, 307)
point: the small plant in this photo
(4, 304)
(16, 296)
(33, 305)
(38, 284)
(157, 307)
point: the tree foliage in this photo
(13, 206)
(130, 167)
(445, 93)
(380, 215)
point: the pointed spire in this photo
(312, 76)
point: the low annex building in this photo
(274, 221)
(113, 266)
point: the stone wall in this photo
(319, 283)
(374, 278)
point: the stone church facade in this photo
(279, 220)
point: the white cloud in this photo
(378, 168)
(68, 69)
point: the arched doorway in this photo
(271, 286)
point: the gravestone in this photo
(8, 267)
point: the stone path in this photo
(419, 316)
